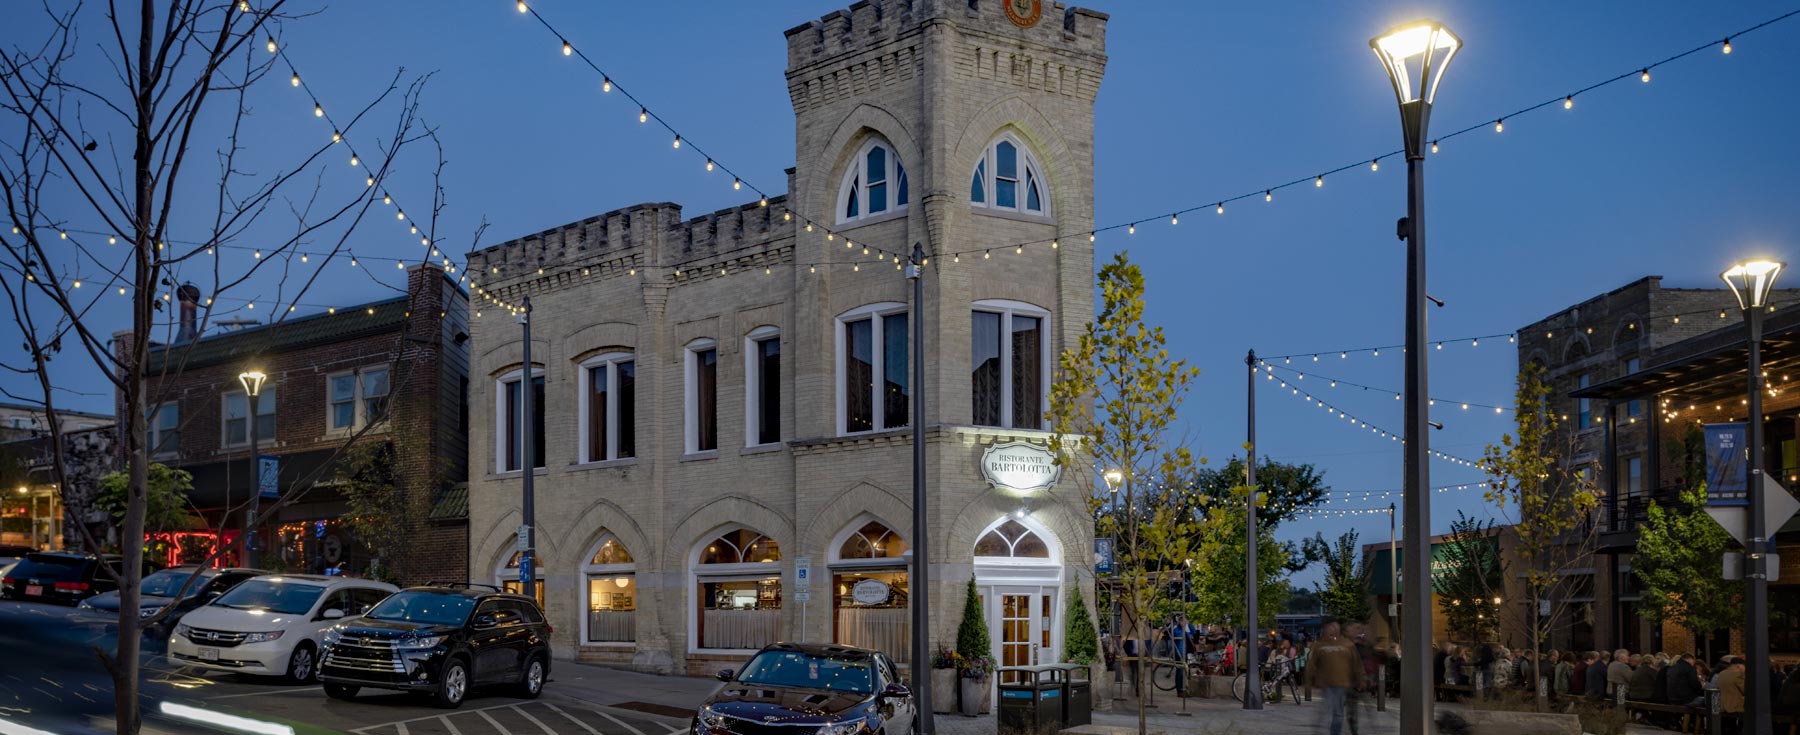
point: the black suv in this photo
(443, 639)
(64, 577)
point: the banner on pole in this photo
(1727, 481)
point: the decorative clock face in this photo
(1024, 13)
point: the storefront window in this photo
(869, 592)
(322, 546)
(508, 576)
(611, 594)
(738, 591)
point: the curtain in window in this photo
(897, 390)
(596, 413)
(1027, 372)
(859, 375)
(768, 388)
(627, 400)
(706, 408)
(984, 363)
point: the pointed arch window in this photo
(737, 581)
(869, 590)
(874, 185)
(1008, 178)
(1012, 540)
(611, 575)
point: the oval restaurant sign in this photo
(1019, 467)
(870, 592)
(1024, 13)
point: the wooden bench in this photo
(1693, 719)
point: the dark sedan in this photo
(830, 690)
(64, 577)
(161, 589)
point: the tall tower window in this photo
(874, 185)
(1008, 178)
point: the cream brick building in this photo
(724, 395)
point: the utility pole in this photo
(1253, 676)
(921, 568)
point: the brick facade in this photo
(420, 339)
(937, 82)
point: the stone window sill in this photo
(699, 456)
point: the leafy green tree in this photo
(1549, 503)
(1287, 489)
(1679, 554)
(1080, 645)
(1466, 577)
(1345, 593)
(1113, 408)
(166, 504)
(383, 515)
(1219, 570)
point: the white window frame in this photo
(359, 399)
(859, 165)
(515, 375)
(1007, 309)
(589, 571)
(751, 571)
(1029, 170)
(690, 414)
(610, 361)
(753, 408)
(265, 398)
(874, 313)
(153, 432)
(504, 573)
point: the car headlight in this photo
(417, 643)
(144, 612)
(845, 727)
(182, 629)
(331, 635)
(262, 637)
(712, 719)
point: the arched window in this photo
(1012, 539)
(611, 576)
(507, 576)
(869, 590)
(1008, 178)
(874, 185)
(737, 578)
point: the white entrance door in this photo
(1022, 625)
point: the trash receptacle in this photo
(1078, 695)
(1030, 700)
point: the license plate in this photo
(34, 590)
(209, 654)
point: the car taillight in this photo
(9, 580)
(72, 586)
(548, 628)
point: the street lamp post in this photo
(253, 383)
(1253, 675)
(1415, 56)
(920, 598)
(1751, 282)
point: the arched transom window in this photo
(1013, 540)
(742, 546)
(1007, 178)
(874, 185)
(872, 541)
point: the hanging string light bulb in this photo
(1726, 48)
(296, 80)
(1644, 76)
(643, 114)
(606, 84)
(1569, 102)
(567, 49)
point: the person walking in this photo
(1335, 671)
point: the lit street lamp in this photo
(1415, 56)
(1751, 282)
(253, 383)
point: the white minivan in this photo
(270, 625)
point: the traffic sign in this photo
(802, 575)
(1778, 506)
(524, 541)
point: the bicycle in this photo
(1167, 673)
(1272, 681)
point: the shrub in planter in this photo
(944, 665)
(973, 684)
(973, 646)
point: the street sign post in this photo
(802, 588)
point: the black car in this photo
(64, 577)
(827, 689)
(159, 590)
(440, 639)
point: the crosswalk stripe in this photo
(400, 729)
(494, 722)
(571, 718)
(622, 723)
(536, 721)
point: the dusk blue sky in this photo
(1201, 101)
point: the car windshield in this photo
(435, 608)
(796, 669)
(169, 581)
(288, 597)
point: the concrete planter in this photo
(974, 696)
(943, 691)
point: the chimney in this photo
(189, 294)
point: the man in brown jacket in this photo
(1333, 668)
(1731, 686)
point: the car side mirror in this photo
(725, 674)
(483, 622)
(896, 691)
(332, 614)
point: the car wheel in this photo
(453, 685)
(345, 692)
(531, 680)
(302, 664)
